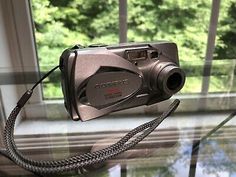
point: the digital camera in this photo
(101, 79)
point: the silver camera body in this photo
(101, 79)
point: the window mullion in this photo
(210, 45)
(123, 21)
(209, 51)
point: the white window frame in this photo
(20, 51)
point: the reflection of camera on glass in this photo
(102, 79)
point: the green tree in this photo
(226, 48)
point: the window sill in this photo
(115, 123)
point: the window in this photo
(56, 25)
(136, 21)
(89, 22)
(142, 21)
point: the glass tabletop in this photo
(192, 152)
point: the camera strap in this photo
(78, 161)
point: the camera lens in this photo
(167, 77)
(174, 81)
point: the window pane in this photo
(224, 65)
(183, 22)
(61, 24)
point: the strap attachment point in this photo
(24, 98)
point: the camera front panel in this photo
(106, 79)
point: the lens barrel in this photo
(167, 77)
